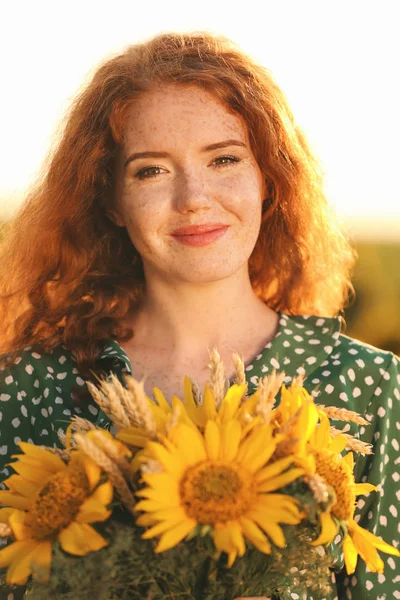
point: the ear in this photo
(115, 217)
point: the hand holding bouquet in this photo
(221, 495)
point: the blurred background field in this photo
(374, 316)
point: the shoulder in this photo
(349, 355)
(37, 370)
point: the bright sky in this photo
(336, 60)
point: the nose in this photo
(192, 192)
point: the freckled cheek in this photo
(144, 217)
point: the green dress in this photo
(36, 401)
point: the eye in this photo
(148, 172)
(227, 161)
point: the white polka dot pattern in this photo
(36, 401)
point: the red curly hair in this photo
(69, 275)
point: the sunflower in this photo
(220, 481)
(338, 473)
(195, 416)
(48, 500)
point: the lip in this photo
(198, 229)
(203, 238)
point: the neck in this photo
(184, 319)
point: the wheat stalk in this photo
(268, 387)
(152, 466)
(60, 452)
(104, 462)
(5, 530)
(342, 414)
(143, 417)
(353, 443)
(239, 368)
(318, 487)
(197, 395)
(111, 399)
(112, 450)
(285, 448)
(217, 377)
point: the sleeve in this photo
(378, 511)
(15, 423)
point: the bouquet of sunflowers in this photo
(217, 496)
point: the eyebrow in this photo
(215, 146)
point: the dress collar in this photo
(300, 346)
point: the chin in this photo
(211, 273)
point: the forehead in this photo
(181, 112)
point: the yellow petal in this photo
(145, 520)
(248, 426)
(170, 512)
(372, 539)
(170, 461)
(174, 536)
(80, 539)
(183, 415)
(273, 469)
(279, 514)
(237, 537)
(92, 511)
(52, 462)
(41, 561)
(338, 444)
(190, 444)
(161, 400)
(15, 500)
(208, 405)
(5, 514)
(307, 420)
(103, 493)
(92, 470)
(134, 436)
(212, 440)
(231, 402)
(20, 485)
(280, 481)
(248, 406)
(329, 530)
(150, 505)
(31, 471)
(17, 524)
(258, 443)
(14, 551)
(231, 433)
(367, 551)
(255, 535)
(231, 559)
(168, 498)
(18, 556)
(350, 554)
(321, 433)
(364, 488)
(279, 501)
(163, 526)
(189, 402)
(223, 537)
(265, 521)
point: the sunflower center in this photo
(58, 502)
(339, 476)
(216, 492)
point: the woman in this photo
(183, 210)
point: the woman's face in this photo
(182, 179)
